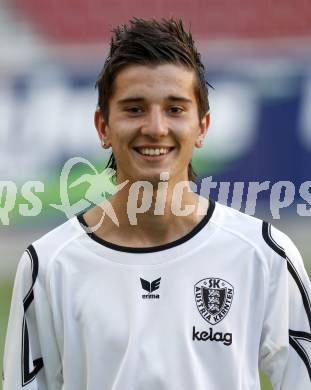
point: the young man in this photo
(189, 294)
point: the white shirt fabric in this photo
(202, 312)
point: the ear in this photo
(102, 129)
(204, 124)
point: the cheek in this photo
(188, 132)
(124, 126)
(120, 133)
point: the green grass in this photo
(6, 287)
(265, 382)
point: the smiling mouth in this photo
(153, 152)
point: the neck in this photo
(164, 202)
(150, 215)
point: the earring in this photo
(200, 142)
(105, 144)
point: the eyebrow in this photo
(140, 99)
(134, 99)
(179, 99)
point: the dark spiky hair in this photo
(151, 42)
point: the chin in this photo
(153, 179)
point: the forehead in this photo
(154, 82)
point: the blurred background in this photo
(257, 56)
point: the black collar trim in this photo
(157, 248)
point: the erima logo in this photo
(150, 287)
(213, 297)
(225, 338)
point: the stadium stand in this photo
(69, 21)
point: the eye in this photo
(134, 110)
(176, 109)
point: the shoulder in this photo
(256, 233)
(47, 248)
(238, 226)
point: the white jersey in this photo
(202, 312)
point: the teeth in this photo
(153, 151)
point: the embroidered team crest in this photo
(213, 297)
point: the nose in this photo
(155, 125)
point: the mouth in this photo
(153, 153)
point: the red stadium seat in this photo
(72, 21)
